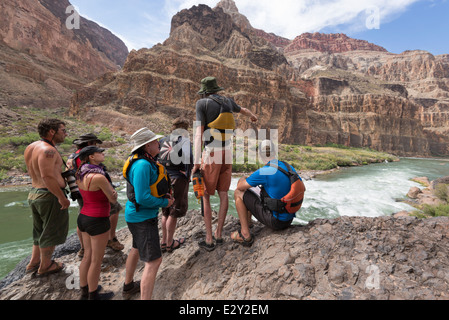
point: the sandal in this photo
(206, 246)
(115, 245)
(32, 268)
(239, 238)
(218, 241)
(58, 268)
(172, 248)
(163, 247)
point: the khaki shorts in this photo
(217, 171)
(50, 223)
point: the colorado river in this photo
(361, 191)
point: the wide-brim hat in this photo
(209, 85)
(87, 151)
(142, 137)
(87, 138)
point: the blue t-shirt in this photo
(142, 175)
(275, 183)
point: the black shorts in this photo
(93, 226)
(146, 239)
(254, 205)
(181, 194)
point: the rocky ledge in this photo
(382, 258)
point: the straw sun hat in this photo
(142, 137)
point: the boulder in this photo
(414, 192)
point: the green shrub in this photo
(105, 134)
(436, 211)
(441, 192)
(25, 139)
(3, 174)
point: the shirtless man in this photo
(47, 198)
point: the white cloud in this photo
(290, 18)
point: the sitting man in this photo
(277, 180)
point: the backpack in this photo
(293, 200)
(168, 148)
(74, 157)
(224, 122)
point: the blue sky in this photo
(396, 25)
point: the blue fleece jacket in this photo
(142, 175)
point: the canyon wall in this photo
(315, 89)
(42, 61)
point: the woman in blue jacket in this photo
(141, 212)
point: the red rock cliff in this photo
(329, 89)
(332, 43)
(42, 60)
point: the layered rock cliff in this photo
(349, 258)
(315, 89)
(416, 78)
(42, 61)
(331, 43)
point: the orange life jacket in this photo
(293, 200)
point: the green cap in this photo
(209, 85)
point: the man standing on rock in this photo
(215, 120)
(47, 197)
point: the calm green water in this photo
(362, 191)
